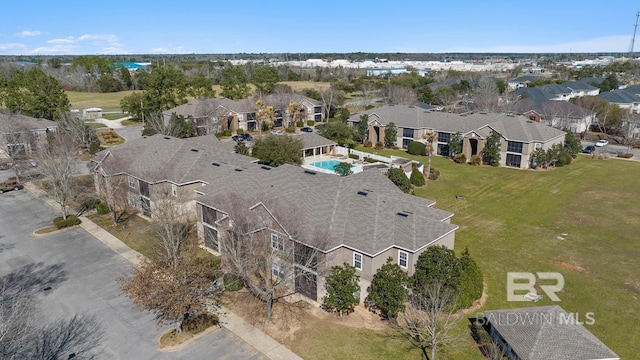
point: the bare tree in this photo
(57, 163)
(173, 294)
(330, 99)
(260, 244)
(155, 123)
(75, 128)
(401, 95)
(630, 131)
(15, 141)
(171, 224)
(428, 321)
(485, 96)
(22, 332)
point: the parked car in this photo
(602, 143)
(235, 137)
(11, 184)
(245, 137)
(589, 149)
(306, 129)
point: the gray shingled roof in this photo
(28, 121)
(368, 223)
(516, 128)
(634, 89)
(544, 332)
(556, 89)
(313, 140)
(579, 85)
(526, 78)
(619, 97)
(164, 158)
(533, 93)
(550, 108)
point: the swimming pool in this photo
(329, 166)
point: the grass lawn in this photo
(135, 232)
(105, 101)
(580, 220)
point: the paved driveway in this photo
(88, 286)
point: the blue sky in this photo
(45, 27)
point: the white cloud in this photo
(173, 50)
(67, 40)
(56, 49)
(28, 33)
(12, 48)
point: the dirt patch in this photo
(570, 266)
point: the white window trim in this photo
(406, 259)
(357, 254)
(174, 190)
(276, 271)
(132, 182)
(279, 241)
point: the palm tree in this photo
(430, 136)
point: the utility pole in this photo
(633, 39)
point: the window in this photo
(209, 215)
(444, 137)
(211, 238)
(538, 146)
(132, 182)
(514, 147)
(277, 271)
(357, 260)
(405, 143)
(403, 259)
(277, 242)
(407, 133)
(513, 160)
(174, 189)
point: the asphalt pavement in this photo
(85, 283)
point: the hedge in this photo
(71, 220)
(310, 122)
(416, 148)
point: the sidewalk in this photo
(253, 336)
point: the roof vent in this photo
(266, 167)
(215, 164)
(310, 172)
(404, 213)
(364, 192)
(167, 138)
(194, 150)
(239, 169)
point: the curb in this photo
(260, 341)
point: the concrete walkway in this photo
(247, 332)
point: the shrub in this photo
(310, 122)
(71, 220)
(354, 156)
(398, 177)
(232, 282)
(300, 124)
(460, 158)
(379, 146)
(369, 107)
(565, 158)
(290, 130)
(368, 144)
(90, 203)
(240, 131)
(476, 160)
(625, 156)
(102, 208)
(226, 133)
(371, 160)
(471, 281)
(199, 323)
(434, 174)
(416, 148)
(417, 179)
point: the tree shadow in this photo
(31, 278)
(76, 337)
(5, 247)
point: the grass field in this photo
(111, 101)
(580, 220)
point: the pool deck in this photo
(310, 160)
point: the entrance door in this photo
(474, 146)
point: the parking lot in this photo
(86, 272)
